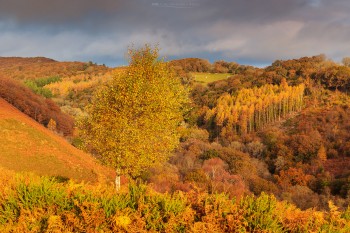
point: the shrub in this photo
(32, 204)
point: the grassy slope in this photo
(209, 77)
(28, 146)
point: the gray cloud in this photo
(57, 11)
(244, 30)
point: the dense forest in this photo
(282, 129)
(282, 132)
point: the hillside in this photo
(40, 67)
(68, 84)
(35, 106)
(249, 125)
(28, 146)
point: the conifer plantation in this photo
(249, 110)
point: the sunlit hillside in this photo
(281, 130)
(41, 67)
(28, 146)
(68, 84)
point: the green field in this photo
(209, 77)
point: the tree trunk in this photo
(117, 180)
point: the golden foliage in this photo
(54, 224)
(52, 125)
(133, 121)
(78, 83)
(322, 154)
(70, 207)
(251, 109)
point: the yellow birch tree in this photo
(132, 121)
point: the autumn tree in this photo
(346, 61)
(52, 125)
(322, 154)
(291, 177)
(132, 121)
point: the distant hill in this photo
(41, 67)
(25, 145)
(10, 61)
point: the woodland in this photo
(262, 150)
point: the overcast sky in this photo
(255, 32)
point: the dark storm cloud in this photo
(56, 11)
(247, 30)
(150, 13)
